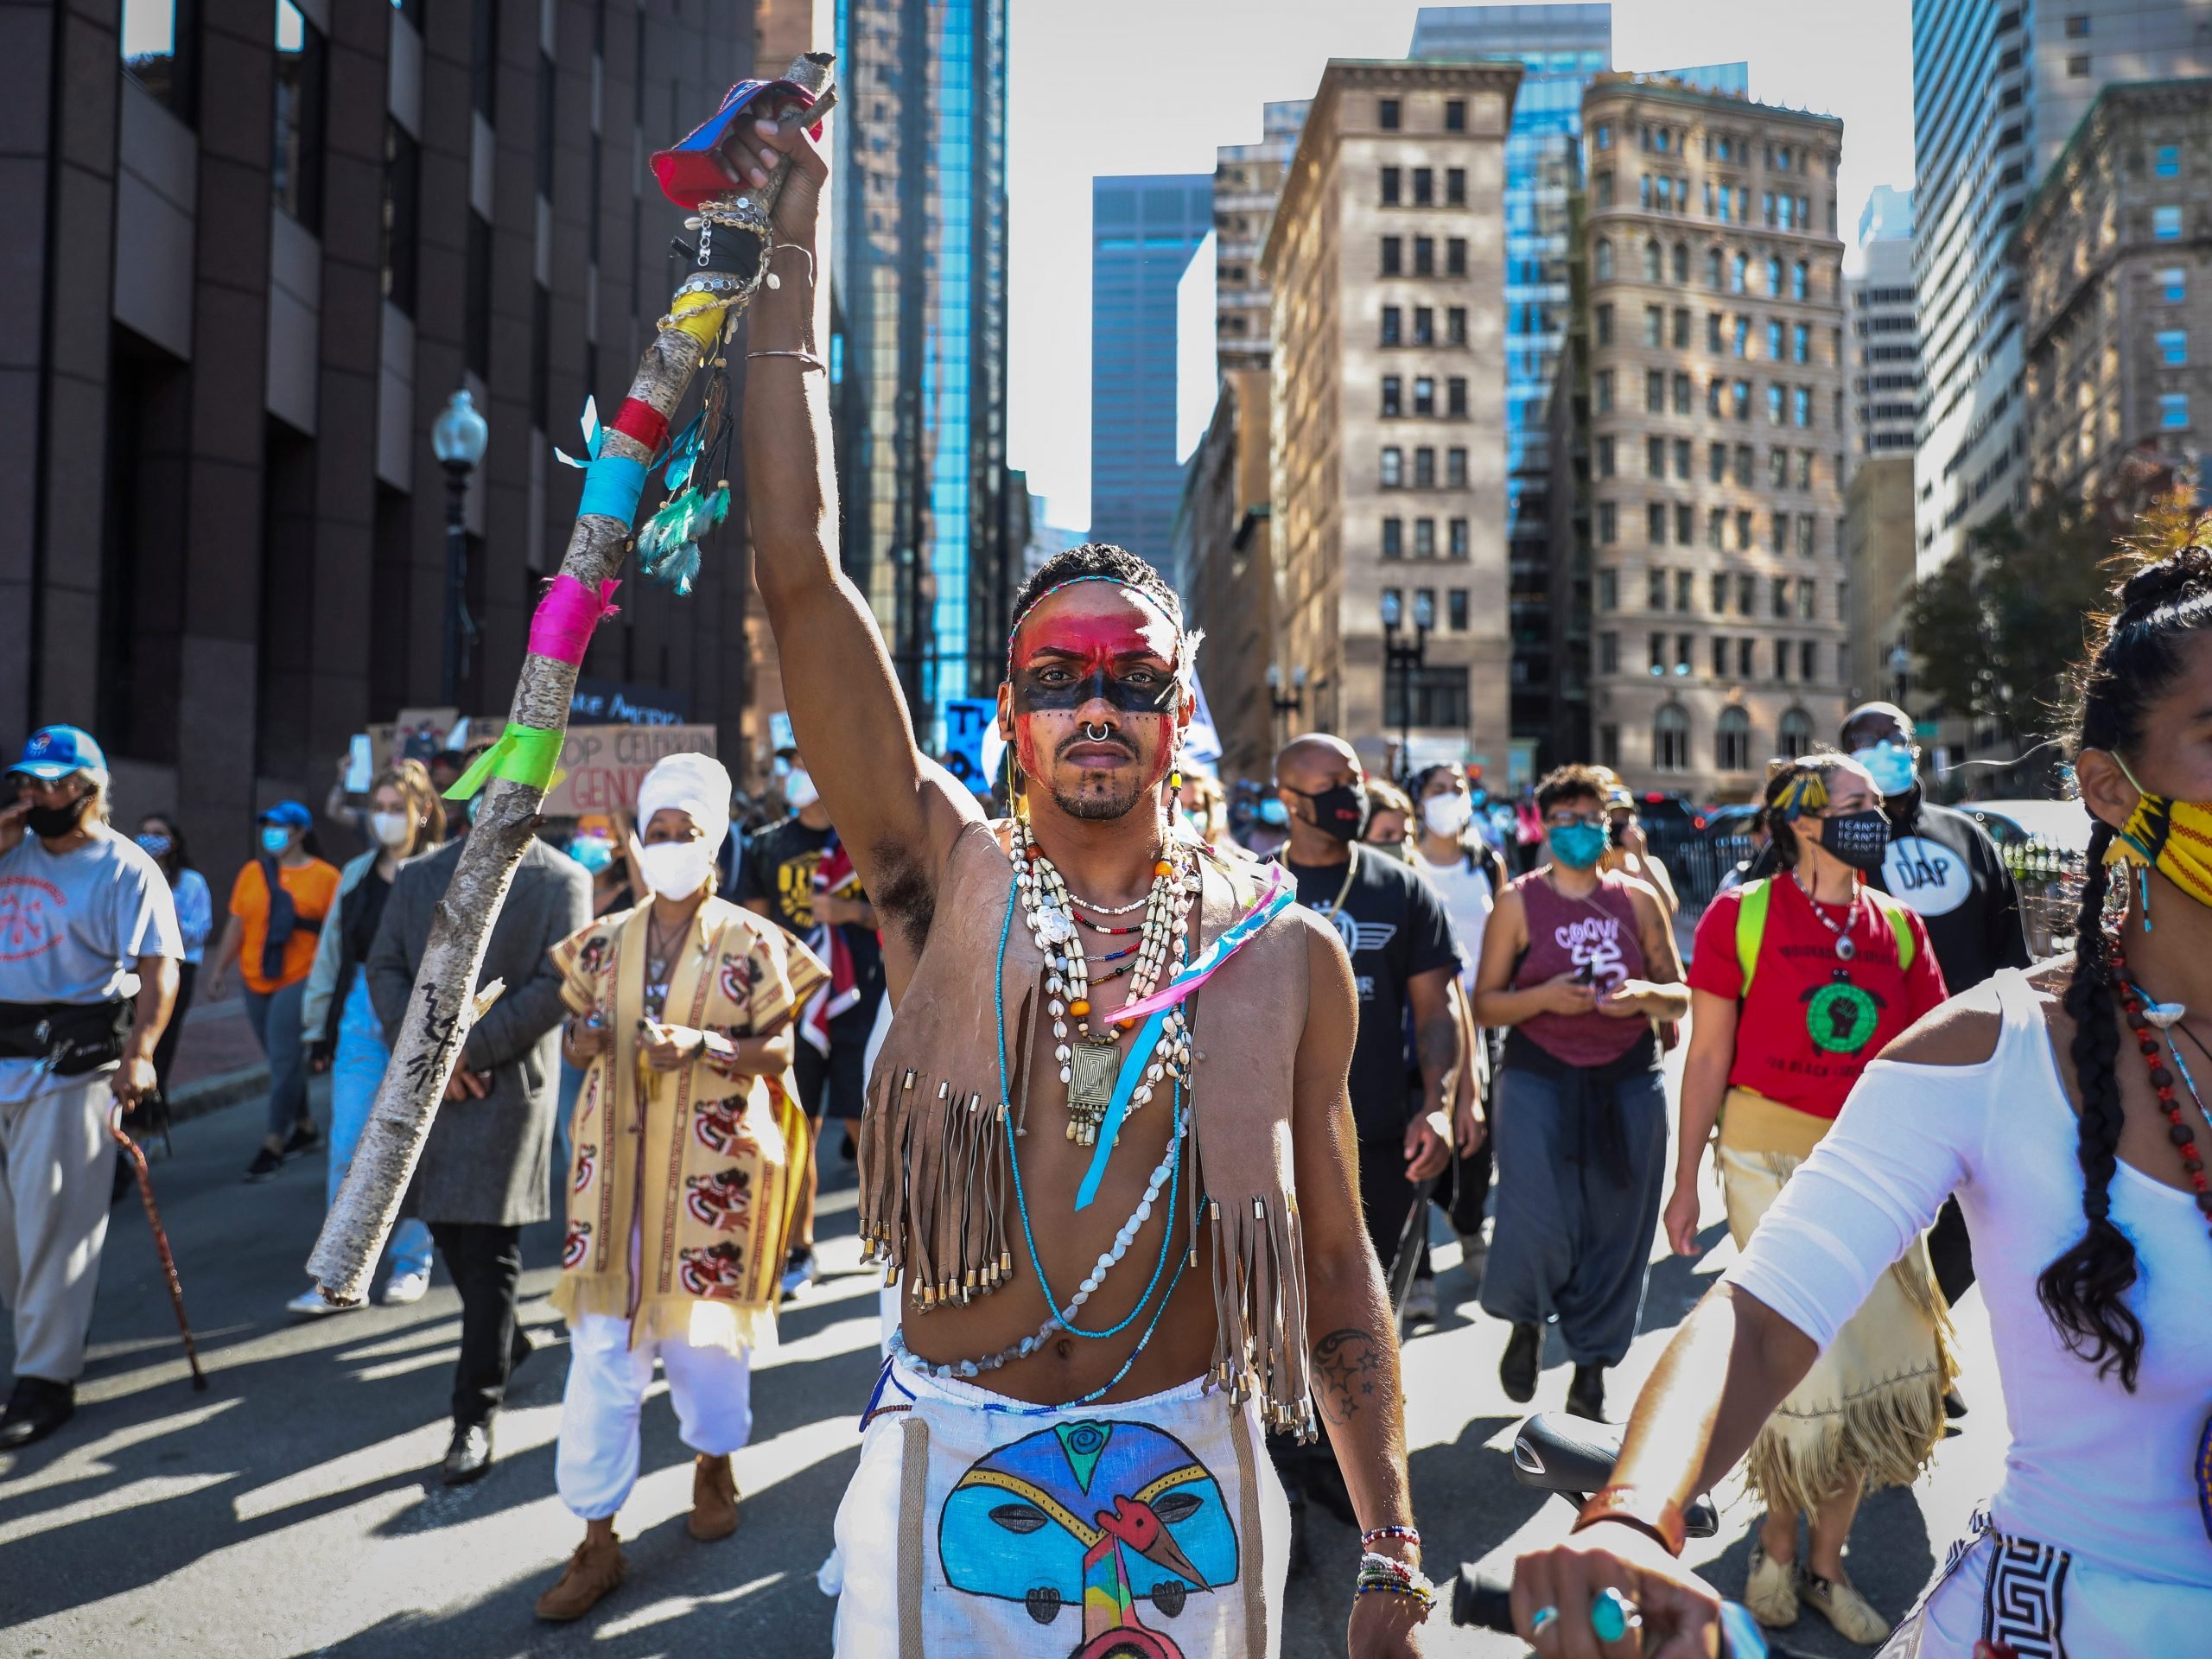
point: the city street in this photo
(293, 1507)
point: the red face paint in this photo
(1068, 655)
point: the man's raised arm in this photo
(845, 704)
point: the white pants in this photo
(57, 1161)
(596, 1463)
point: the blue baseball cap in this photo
(290, 813)
(56, 752)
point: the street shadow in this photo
(1677, 1284)
(1467, 1495)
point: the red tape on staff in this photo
(642, 421)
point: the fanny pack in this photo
(69, 1038)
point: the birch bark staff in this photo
(442, 1006)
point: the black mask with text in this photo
(1339, 810)
(1860, 839)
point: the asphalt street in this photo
(293, 1509)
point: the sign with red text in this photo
(604, 765)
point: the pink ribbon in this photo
(562, 626)
(1276, 895)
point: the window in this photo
(1455, 256)
(1744, 454)
(1655, 457)
(1603, 188)
(1719, 596)
(1424, 468)
(1670, 739)
(1424, 325)
(1678, 262)
(1606, 448)
(1605, 324)
(1424, 186)
(1609, 589)
(400, 218)
(1393, 325)
(1807, 593)
(1742, 340)
(2165, 161)
(1393, 255)
(1424, 538)
(1392, 473)
(1386, 114)
(1601, 135)
(1801, 406)
(295, 155)
(2173, 410)
(1684, 582)
(1655, 392)
(1804, 469)
(1389, 187)
(1774, 402)
(1608, 654)
(1601, 390)
(1712, 333)
(1455, 469)
(1712, 267)
(1658, 658)
(1392, 396)
(1609, 529)
(1681, 329)
(2165, 224)
(1807, 668)
(1731, 733)
(1682, 462)
(1716, 537)
(1455, 115)
(1777, 469)
(1774, 275)
(1609, 745)
(1455, 391)
(1654, 524)
(1604, 260)
(1456, 538)
(1780, 597)
(1782, 661)
(1424, 256)
(1774, 340)
(1683, 654)
(1655, 326)
(157, 46)
(1743, 659)
(1424, 395)
(1655, 596)
(1654, 271)
(1717, 464)
(1743, 540)
(1800, 284)
(2173, 285)
(1394, 538)
(1438, 696)
(1455, 187)
(476, 303)
(1455, 325)
(1739, 399)
(1801, 343)
(1719, 658)
(2078, 26)
(2077, 67)
(1806, 530)
(1456, 604)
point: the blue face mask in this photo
(275, 839)
(1578, 846)
(594, 853)
(1890, 764)
(1274, 813)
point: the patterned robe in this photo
(690, 1175)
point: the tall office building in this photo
(1385, 260)
(1997, 88)
(1558, 49)
(1885, 338)
(1715, 432)
(919, 344)
(1247, 180)
(1143, 231)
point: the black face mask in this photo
(1860, 839)
(55, 822)
(1339, 810)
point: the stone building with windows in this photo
(1247, 180)
(1716, 432)
(1222, 552)
(1385, 261)
(258, 244)
(2114, 256)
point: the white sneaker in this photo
(405, 1287)
(1474, 1257)
(1420, 1303)
(309, 1305)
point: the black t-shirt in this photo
(1943, 867)
(780, 867)
(1393, 926)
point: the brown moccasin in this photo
(595, 1569)
(714, 1499)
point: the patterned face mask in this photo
(2173, 837)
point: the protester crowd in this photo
(1855, 1056)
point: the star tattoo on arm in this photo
(1348, 1370)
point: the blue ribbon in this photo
(612, 486)
(1139, 1053)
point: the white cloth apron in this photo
(981, 1527)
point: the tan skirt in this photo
(1871, 1407)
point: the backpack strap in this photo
(1750, 927)
(1897, 914)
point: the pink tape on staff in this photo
(562, 626)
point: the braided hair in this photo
(2084, 1291)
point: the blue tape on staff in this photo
(612, 486)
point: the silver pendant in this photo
(1844, 947)
(1093, 1066)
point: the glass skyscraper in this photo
(1143, 231)
(918, 335)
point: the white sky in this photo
(1154, 85)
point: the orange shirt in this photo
(314, 887)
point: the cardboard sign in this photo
(604, 765)
(966, 721)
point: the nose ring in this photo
(1097, 731)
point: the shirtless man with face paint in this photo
(1122, 1211)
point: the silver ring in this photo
(1542, 1620)
(1100, 735)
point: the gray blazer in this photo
(486, 1160)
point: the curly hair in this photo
(1096, 559)
(1570, 783)
(2136, 660)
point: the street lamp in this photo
(1402, 659)
(457, 438)
(1281, 705)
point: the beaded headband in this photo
(1186, 643)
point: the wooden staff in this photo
(442, 1005)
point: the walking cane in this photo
(162, 1245)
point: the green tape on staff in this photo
(524, 754)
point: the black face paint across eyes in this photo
(1031, 696)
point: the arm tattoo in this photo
(1349, 1372)
(1440, 1040)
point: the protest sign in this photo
(602, 766)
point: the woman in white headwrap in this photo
(688, 1149)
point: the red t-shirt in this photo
(1812, 1020)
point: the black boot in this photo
(1517, 1372)
(1585, 1395)
(469, 1456)
(35, 1409)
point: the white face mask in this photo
(677, 869)
(799, 791)
(1446, 816)
(392, 829)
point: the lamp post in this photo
(1401, 660)
(1281, 706)
(457, 438)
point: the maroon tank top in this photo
(1565, 934)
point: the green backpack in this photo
(1750, 926)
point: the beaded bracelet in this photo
(1416, 1589)
(1404, 1535)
